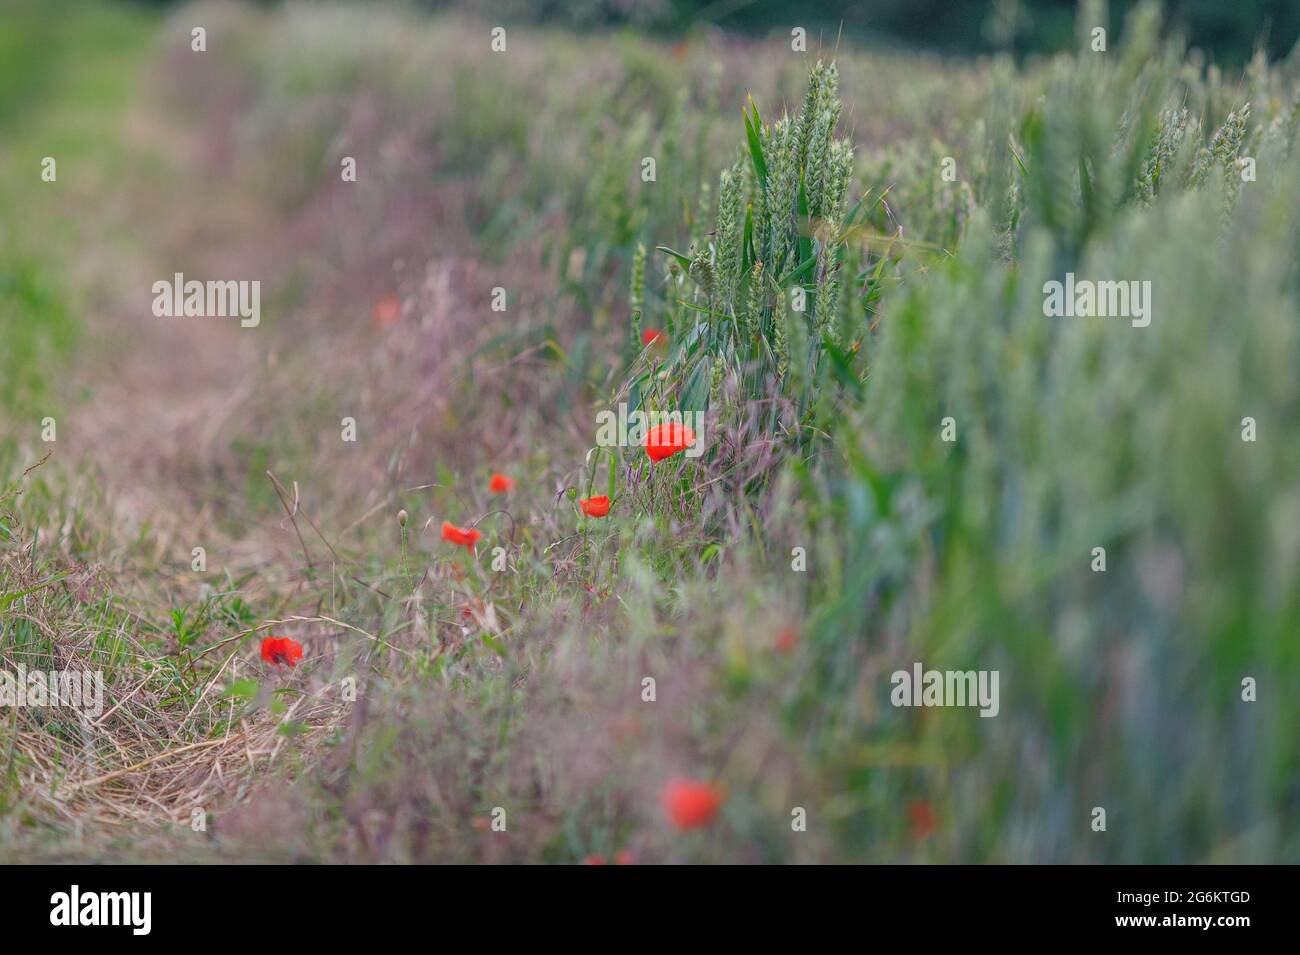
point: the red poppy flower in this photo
(787, 639)
(500, 484)
(624, 857)
(595, 506)
(387, 311)
(594, 859)
(691, 804)
(652, 335)
(279, 650)
(625, 728)
(921, 816)
(665, 440)
(466, 537)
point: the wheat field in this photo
(436, 440)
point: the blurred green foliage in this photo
(62, 81)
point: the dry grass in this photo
(170, 739)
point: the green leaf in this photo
(553, 350)
(851, 218)
(243, 690)
(758, 120)
(1019, 162)
(695, 395)
(842, 367)
(798, 272)
(685, 262)
(1085, 183)
(748, 257)
(7, 599)
(755, 143)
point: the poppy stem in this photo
(406, 567)
(593, 455)
(499, 510)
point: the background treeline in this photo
(1229, 31)
(1226, 30)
